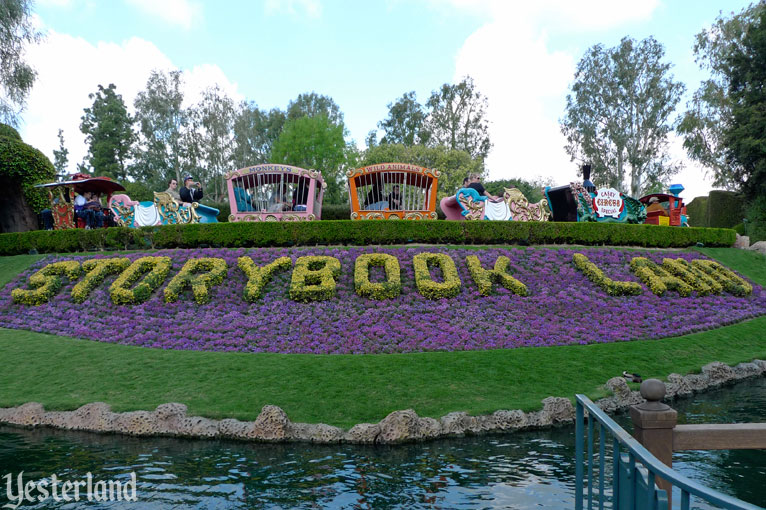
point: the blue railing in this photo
(634, 470)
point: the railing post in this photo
(653, 424)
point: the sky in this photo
(364, 54)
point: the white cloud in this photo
(311, 8)
(521, 78)
(184, 13)
(203, 76)
(526, 82)
(69, 68)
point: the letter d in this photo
(132, 485)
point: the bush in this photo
(700, 282)
(597, 276)
(21, 167)
(46, 283)
(429, 288)
(658, 279)
(313, 278)
(730, 282)
(200, 275)
(484, 278)
(258, 277)
(724, 209)
(95, 272)
(361, 233)
(336, 212)
(7, 131)
(154, 270)
(756, 220)
(696, 210)
(390, 288)
(223, 207)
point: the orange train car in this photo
(393, 191)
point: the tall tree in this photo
(161, 121)
(255, 132)
(708, 113)
(618, 115)
(745, 137)
(457, 119)
(311, 104)
(454, 165)
(108, 130)
(61, 156)
(317, 143)
(405, 123)
(213, 121)
(16, 76)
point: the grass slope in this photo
(64, 373)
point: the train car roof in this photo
(95, 184)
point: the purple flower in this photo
(562, 308)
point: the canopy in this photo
(94, 184)
(661, 197)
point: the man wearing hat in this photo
(654, 206)
(191, 191)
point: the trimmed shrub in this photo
(696, 210)
(46, 283)
(724, 209)
(699, 281)
(21, 167)
(597, 276)
(200, 275)
(314, 278)
(756, 220)
(95, 272)
(258, 277)
(484, 278)
(390, 288)
(336, 212)
(361, 233)
(658, 279)
(156, 270)
(224, 209)
(427, 287)
(731, 283)
(7, 131)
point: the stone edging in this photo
(272, 424)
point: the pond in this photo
(520, 471)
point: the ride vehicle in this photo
(585, 202)
(393, 191)
(512, 206)
(272, 192)
(164, 210)
(123, 211)
(62, 194)
(666, 208)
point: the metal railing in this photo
(634, 470)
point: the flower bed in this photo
(562, 304)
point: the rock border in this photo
(273, 425)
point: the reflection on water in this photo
(518, 471)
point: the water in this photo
(518, 471)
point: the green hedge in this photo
(360, 233)
(696, 210)
(336, 212)
(343, 212)
(724, 209)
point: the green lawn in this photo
(64, 373)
